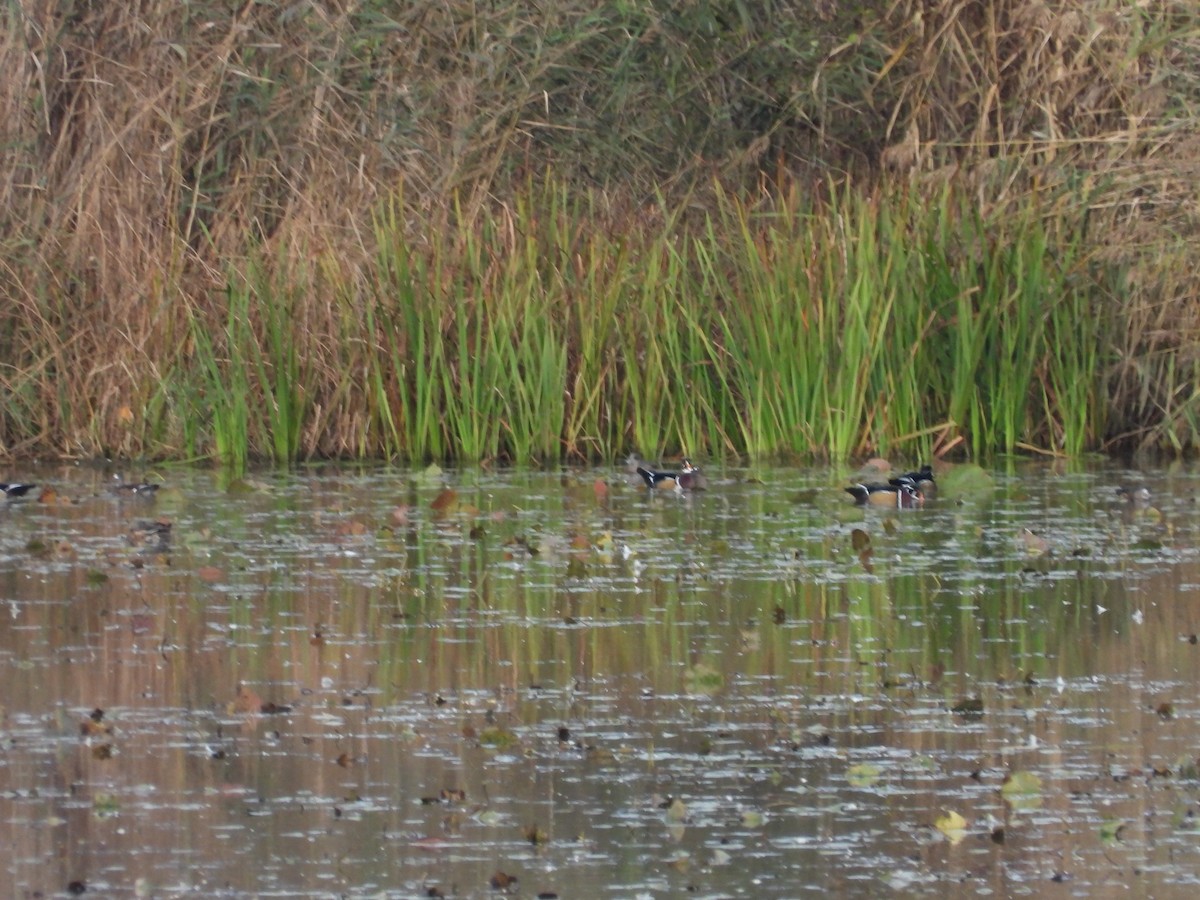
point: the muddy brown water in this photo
(332, 683)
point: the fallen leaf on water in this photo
(1034, 544)
(703, 679)
(1022, 790)
(246, 701)
(860, 540)
(446, 502)
(862, 775)
(502, 881)
(953, 826)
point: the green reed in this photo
(537, 332)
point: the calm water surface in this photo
(336, 684)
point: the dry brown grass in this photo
(151, 147)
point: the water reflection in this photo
(324, 686)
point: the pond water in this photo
(347, 682)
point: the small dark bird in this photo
(133, 488)
(16, 489)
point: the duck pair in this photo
(686, 479)
(906, 491)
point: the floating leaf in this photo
(430, 475)
(752, 818)
(1034, 544)
(704, 679)
(446, 502)
(863, 775)
(1022, 790)
(502, 881)
(105, 806)
(1110, 830)
(860, 540)
(498, 738)
(953, 826)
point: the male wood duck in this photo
(16, 489)
(922, 475)
(686, 479)
(898, 494)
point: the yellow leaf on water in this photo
(953, 826)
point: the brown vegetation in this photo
(155, 150)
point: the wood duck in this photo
(1134, 495)
(686, 479)
(918, 479)
(134, 488)
(898, 494)
(16, 489)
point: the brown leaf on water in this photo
(102, 751)
(50, 497)
(535, 835)
(1034, 544)
(210, 574)
(600, 489)
(446, 502)
(246, 701)
(780, 615)
(860, 540)
(346, 761)
(453, 795)
(1166, 710)
(351, 528)
(502, 881)
(400, 515)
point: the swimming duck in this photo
(134, 488)
(898, 494)
(686, 479)
(922, 480)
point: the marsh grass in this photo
(896, 227)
